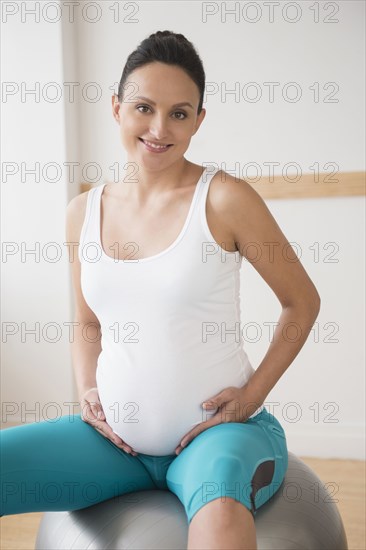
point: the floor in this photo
(18, 532)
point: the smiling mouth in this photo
(155, 145)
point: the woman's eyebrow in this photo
(183, 104)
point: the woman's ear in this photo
(115, 107)
(199, 121)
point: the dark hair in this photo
(170, 48)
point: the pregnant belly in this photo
(151, 422)
(153, 416)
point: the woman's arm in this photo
(261, 241)
(86, 346)
(294, 325)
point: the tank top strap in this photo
(91, 225)
(204, 183)
(207, 176)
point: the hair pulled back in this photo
(170, 48)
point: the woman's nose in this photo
(158, 128)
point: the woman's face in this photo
(154, 118)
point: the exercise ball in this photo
(301, 515)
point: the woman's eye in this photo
(181, 113)
(176, 113)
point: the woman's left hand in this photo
(233, 404)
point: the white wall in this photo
(326, 374)
(36, 368)
(321, 397)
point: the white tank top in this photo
(170, 324)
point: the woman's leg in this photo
(235, 462)
(63, 465)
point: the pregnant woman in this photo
(169, 399)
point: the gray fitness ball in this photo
(301, 515)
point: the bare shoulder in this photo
(260, 239)
(233, 198)
(244, 211)
(229, 188)
(75, 215)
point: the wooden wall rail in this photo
(339, 184)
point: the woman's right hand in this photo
(92, 413)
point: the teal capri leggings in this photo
(66, 464)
